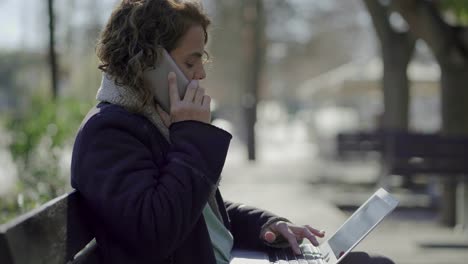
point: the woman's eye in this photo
(189, 65)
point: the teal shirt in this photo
(221, 239)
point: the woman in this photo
(149, 177)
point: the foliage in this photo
(41, 145)
(56, 120)
(459, 8)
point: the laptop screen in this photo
(358, 225)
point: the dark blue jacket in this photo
(146, 196)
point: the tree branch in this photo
(379, 16)
(426, 23)
(389, 38)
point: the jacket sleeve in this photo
(247, 223)
(150, 210)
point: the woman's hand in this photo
(194, 106)
(292, 233)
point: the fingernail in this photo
(270, 237)
(194, 83)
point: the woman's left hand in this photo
(292, 233)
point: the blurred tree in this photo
(397, 47)
(52, 52)
(239, 46)
(449, 44)
(307, 39)
(93, 25)
(78, 27)
(228, 72)
(69, 13)
(254, 54)
(301, 40)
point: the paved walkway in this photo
(300, 187)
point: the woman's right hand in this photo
(194, 106)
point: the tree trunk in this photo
(396, 51)
(229, 75)
(450, 49)
(254, 57)
(454, 82)
(396, 93)
(52, 54)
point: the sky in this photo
(13, 14)
(24, 22)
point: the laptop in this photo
(332, 251)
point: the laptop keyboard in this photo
(310, 255)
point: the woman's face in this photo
(189, 53)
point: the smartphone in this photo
(157, 79)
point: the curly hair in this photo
(129, 43)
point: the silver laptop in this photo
(332, 251)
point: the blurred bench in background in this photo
(409, 153)
(432, 154)
(415, 154)
(54, 233)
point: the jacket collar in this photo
(129, 99)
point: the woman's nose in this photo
(200, 74)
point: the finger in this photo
(199, 96)
(304, 232)
(191, 91)
(291, 237)
(206, 101)
(319, 233)
(173, 91)
(311, 237)
(269, 236)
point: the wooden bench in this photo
(433, 154)
(411, 153)
(408, 154)
(57, 232)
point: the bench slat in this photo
(52, 233)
